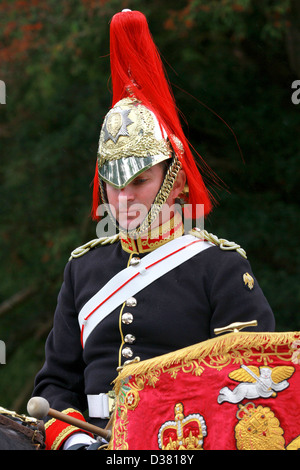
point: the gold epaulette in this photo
(220, 242)
(81, 250)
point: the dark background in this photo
(231, 64)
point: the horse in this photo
(20, 432)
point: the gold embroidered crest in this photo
(259, 429)
(248, 281)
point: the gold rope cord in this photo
(222, 243)
(81, 250)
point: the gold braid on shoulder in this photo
(81, 250)
(220, 242)
(203, 234)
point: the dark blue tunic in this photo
(181, 308)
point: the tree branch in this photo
(17, 299)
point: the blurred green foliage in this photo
(230, 68)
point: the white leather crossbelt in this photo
(135, 278)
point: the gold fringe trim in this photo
(81, 250)
(220, 242)
(217, 346)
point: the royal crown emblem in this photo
(184, 433)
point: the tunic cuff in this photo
(57, 431)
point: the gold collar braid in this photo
(156, 237)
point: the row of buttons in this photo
(127, 318)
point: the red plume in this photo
(96, 194)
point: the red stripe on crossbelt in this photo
(134, 276)
(113, 293)
(173, 253)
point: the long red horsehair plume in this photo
(137, 70)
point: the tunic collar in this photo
(156, 237)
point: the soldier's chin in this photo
(129, 222)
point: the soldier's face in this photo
(132, 203)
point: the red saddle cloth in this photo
(238, 391)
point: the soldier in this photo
(156, 284)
